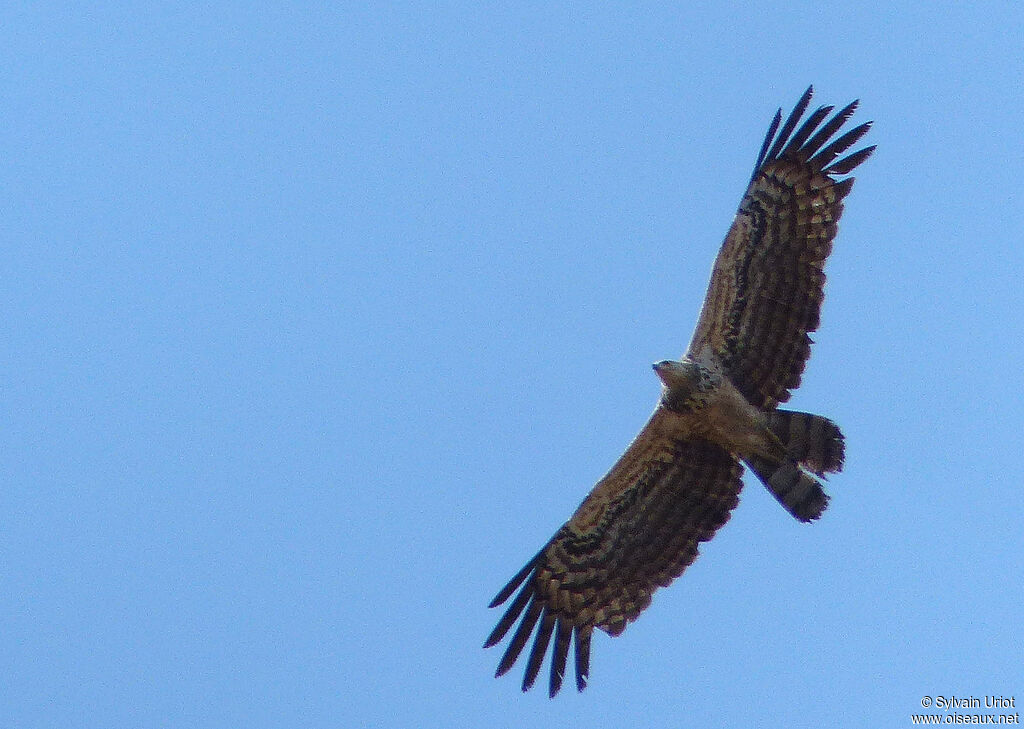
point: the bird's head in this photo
(678, 375)
(682, 382)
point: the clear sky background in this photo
(317, 321)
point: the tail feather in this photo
(814, 442)
(796, 489)
(814, 447)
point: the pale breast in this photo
(736, 424)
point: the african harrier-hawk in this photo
(678, 481)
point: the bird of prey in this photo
(678, 481)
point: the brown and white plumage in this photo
(677, 483)
(767, 283)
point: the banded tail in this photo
(814, 447)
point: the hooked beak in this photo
(662, 369)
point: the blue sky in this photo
(319, 320)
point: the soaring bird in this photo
(678, 481)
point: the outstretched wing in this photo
(636, 531)
(767, 283)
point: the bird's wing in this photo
(767, 283)
(635, 532)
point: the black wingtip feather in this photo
(807, 128)
(847, 164)
(515, 647)
(842, 188)
(582, 657)
(830, 127)
(521, 575)
(767, 140)
(540, 647)
(509, 617)
(804, 146)
(791, 122)
(563, 636)
(840, 145)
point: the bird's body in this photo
(692, 388)
(679, 479)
